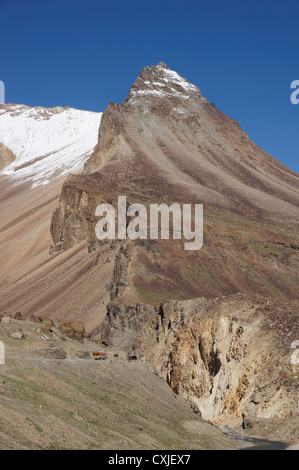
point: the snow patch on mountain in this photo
(47, 142)
(170, 76)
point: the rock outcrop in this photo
(73, 330)
(6, 156)
(230, 356)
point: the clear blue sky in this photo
(242, 54)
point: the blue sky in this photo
(243, 55)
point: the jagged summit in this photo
(162, 64)
(161, 82)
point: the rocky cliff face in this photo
(74, 220)
(231, 356)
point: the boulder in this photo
(48, 322)
(18, 316)
(44, 330)
(73, 330)
(65, 328)
(35, 319)
(17, 335)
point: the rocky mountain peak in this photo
(162, 64)
(167, 142)
(160, 82)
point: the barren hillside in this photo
(54, 395)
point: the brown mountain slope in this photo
(165, 142)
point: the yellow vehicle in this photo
(100, 355)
